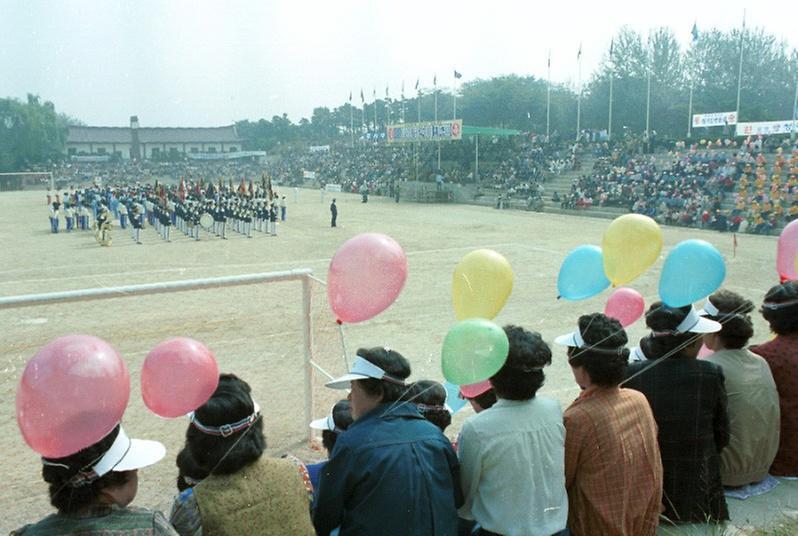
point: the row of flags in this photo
(213, 188)
(457, 76)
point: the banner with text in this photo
(764, 128)
(426, 131)
(718, 119)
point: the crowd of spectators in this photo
(656, 436)
(725, 190)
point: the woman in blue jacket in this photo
(392, 472)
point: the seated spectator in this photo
(780, 309)
(244, 492)
(512, 455)
(392, 472)
(613, 471)
(331, 426)
(753, 400)
(480, 395)
(430, 398)
(93, 488)
(688, 398)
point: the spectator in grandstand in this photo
(244, 492)
(480, 395)
(613, 471)
(512, 455)
(753, 405)
(392, 472)
(688, 398)
(331, 426)
(430, 398)
(93, 488)
(780, 309)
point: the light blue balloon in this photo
(693, 270)
(453, 399)
(582, 274)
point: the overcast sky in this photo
(197, 63)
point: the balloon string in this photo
(343, 344)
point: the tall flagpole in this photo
(435, 90)
(648, 99)
(690, 109)
(418, 103)
(795, 113)
(579, 95)
(374, 95)
(691, 72)
(740, 71)
(454, 99)
(403, 101)
(548, 98)
(351, 120)
(612, 75)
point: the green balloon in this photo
(473, 351)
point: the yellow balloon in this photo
(630, 245)
(481, 284)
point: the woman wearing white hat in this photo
(688, 398)
(392, 473)
(92, 490)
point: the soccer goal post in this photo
(320, 338)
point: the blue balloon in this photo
(693, 270)
(582, 274)
(453, 399)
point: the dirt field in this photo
(255, 331)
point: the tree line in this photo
(32, 131)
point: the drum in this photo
(206, 220)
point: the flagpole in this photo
(795, 113)
(579, 95)
(374, 94)
(609, 121)
(548, 97)
(612, 75)
(454, 99)
(690, 110)
(418, 103)
(351, 121)
(435, 88)
(648, 100)
(740, 70)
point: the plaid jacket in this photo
(688, 398)
(102, 521)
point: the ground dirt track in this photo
(255, 331)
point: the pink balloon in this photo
(626, 305)
(787, 251)
(72, 393)
(366, 275)
(178, 376)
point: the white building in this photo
(150, 142)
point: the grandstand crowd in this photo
(727, 189)
(657, 436)
(718, 185)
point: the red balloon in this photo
(178, 376)
(366, 275)
(626, 305)
(72, 393)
